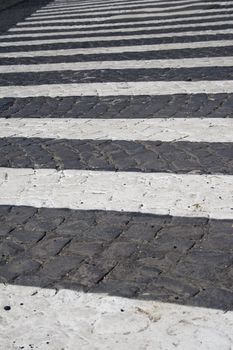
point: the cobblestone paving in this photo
(175, 106)
(183, 260)
(181, 157)
(186, 261)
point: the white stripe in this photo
(102, 19)
(118, 49)
(121, 25)
(151, 10)
(159, 35)
(106, 38)
(115, 5)
(156, 193)
(119, 89)
(93, 7)
(110, 4)
(70, 319)
(99, 3)
(141, 64)
(154, 129)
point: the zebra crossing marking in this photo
(119, 89)
(113, 6)
(113, 38)
(118, 17)
(165, 35)
(151, 10)
(122, 25)
(102, 4)
(180, 129)
(154, 193)
(128, 64)
(117, 49)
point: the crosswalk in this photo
(120, 108)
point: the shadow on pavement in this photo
(187, 261)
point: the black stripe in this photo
(169, 259)
(117, 75)
(177, 106)
(119, 8)
(96, 44)
(144, 156)
(188, 38)
(122, 8)
(134, 25)
(133, 20)
(169, 12)
(194, 6)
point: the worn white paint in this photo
(108, 4)
(94, 7)
(73, 320)
(135, 25)
(102, 19)
(159, 35)
(119, 89)
(156, 193)
(118, 49)
(108, 12)
(47, 41)
(113, 4)
(128, 64)
(163, 129)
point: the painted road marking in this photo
(167, 130)
(102, 19)
(151, 88)
(62, 315)
(128, 23)
(118, 49)
(107, 38)
(155, 193)
(159, 35)
(94, 7)
(128, 64)
(151, 10)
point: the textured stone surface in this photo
(68, 319)
(92, 76)
(170, 259)
(178, 157)
(93, 279)
(195, 106)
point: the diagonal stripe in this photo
(159, 35)
(131, 11)
(90, 5)
(180, 195)
(167, 130)
(113, 4)
(96, 39)
(120, 49)
(128, 30)
(100, 8)
(119, 17)
(121, 25)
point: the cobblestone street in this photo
(116, 175)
